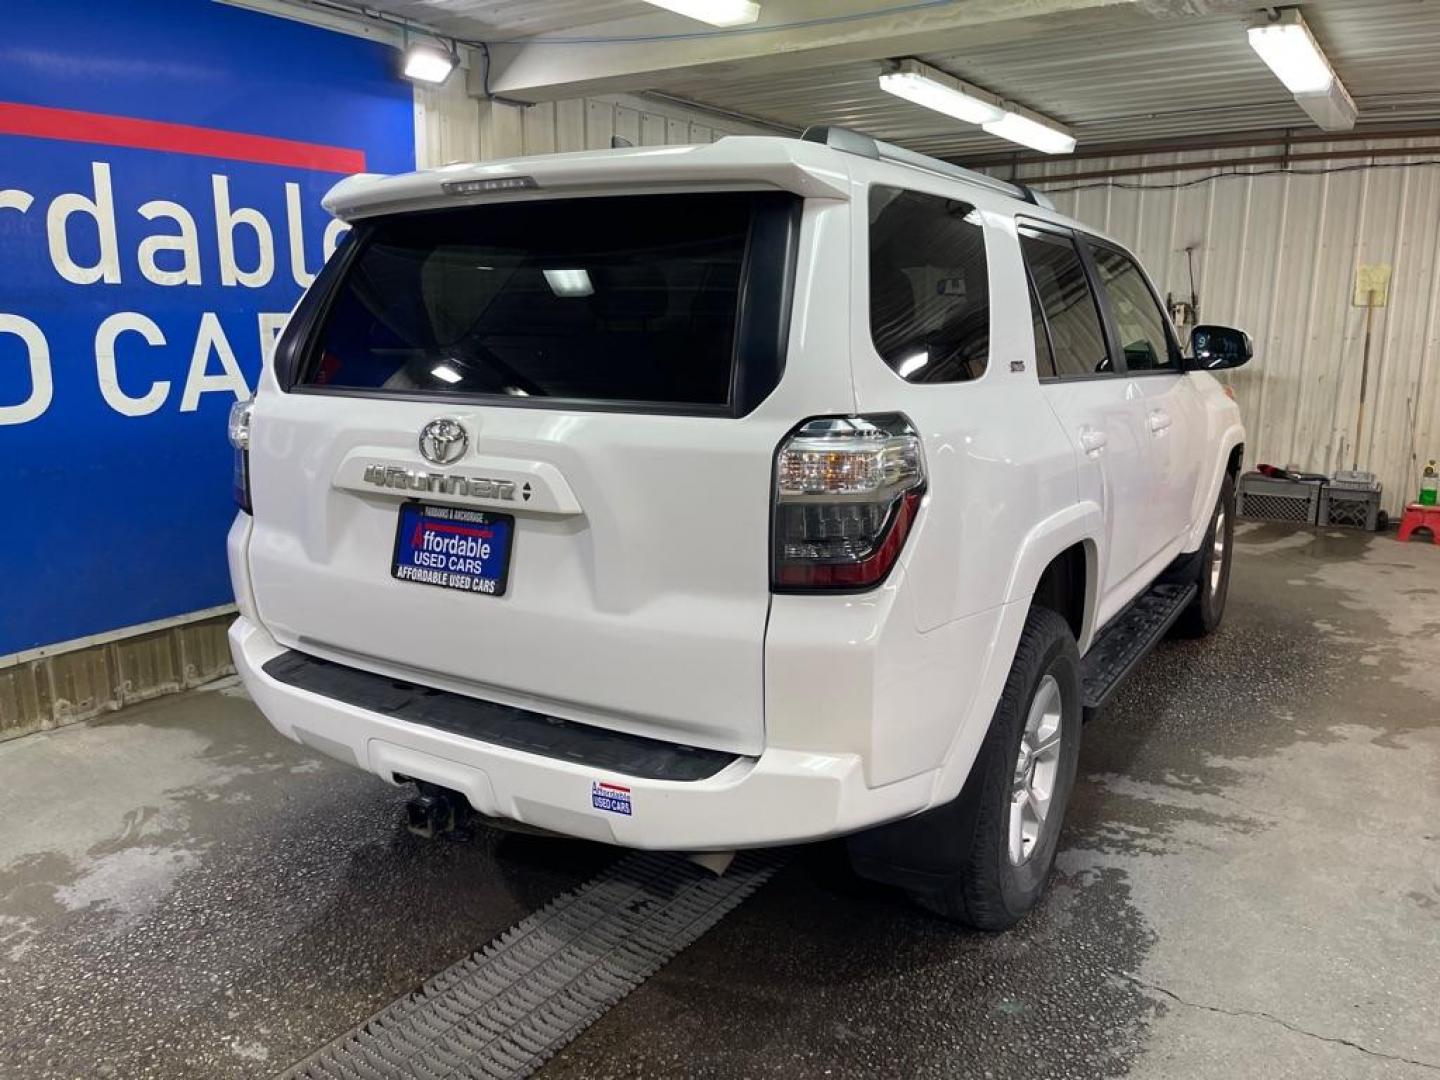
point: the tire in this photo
(956, 860)
(1212, 575)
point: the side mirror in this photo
(1216, 347)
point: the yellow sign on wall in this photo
(1372, 284)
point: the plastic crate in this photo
(1350, 507)
(1269, 499)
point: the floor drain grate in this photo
(503, 1011)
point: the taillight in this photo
(847, 490)
(239, 431)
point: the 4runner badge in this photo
(476, 487)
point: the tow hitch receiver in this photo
(438, 811)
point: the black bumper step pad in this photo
(500, 725)
(1124, 643)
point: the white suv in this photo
(710, 497)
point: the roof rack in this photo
(854, 142)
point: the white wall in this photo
(1276, 255)
(452, 126)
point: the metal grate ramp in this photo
(503, 1011)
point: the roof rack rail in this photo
(855, 142)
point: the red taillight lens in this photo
(239, 432)
(847, 490)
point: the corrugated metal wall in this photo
(452, 126)
(1277, 255)
(84, 683)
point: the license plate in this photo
(453, 547)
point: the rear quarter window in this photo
(929, 286)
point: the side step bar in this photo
(1124, 643)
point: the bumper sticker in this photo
(612, 798)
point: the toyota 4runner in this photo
(710, 497)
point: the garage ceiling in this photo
(486, 19)
(1147, 80)
(1113, 70)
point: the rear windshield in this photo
(626, 299)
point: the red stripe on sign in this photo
(614, 787)
(72, 125)
(463, 530)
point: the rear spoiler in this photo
(745, 161)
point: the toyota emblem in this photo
(443, 441)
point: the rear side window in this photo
(1139, 320)
(929, 289)
(630, 300)
(1077, 339)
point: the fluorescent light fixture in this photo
(932, 88)
(425, 62)
(446, 373)
(569, 282)
(1332, 109)
(1032, 130)
(1289, 49)
(714, 12)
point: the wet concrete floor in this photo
(1249, 885)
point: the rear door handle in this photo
(1159, 421)
(1092, 441)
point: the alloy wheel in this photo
(1037, 768)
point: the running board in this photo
(1124, 643)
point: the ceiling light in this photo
(932, 88)
(445, 373)
(1332, 109)
(569, 282)
(714, 12)
(1287, 46)
(1029, 129)
(429, 63)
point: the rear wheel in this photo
(984, 859)
(1212, 575)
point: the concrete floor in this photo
(1250, 885)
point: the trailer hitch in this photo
(438, 811)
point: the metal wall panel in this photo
(453, 126)
(85, 683)
(1276, 254)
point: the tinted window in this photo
(929, 293)
(613, 299)
(1139, 322)
(1076, 335)
(1044, 358)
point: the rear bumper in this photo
(782, 796)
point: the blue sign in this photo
(161, 169)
